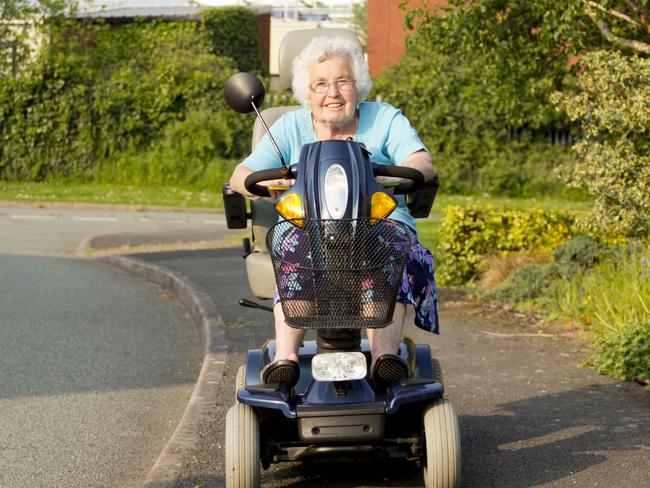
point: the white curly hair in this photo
(322, 48)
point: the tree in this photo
(359, 20)
(505, 59)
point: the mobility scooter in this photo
(352, 260)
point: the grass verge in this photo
(110, 194)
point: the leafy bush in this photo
(526, 283)
(234, 33)
(468, 234)
(613, 161)
(475, 83)
(578, 254)
(575, 255)
(624, 353)
(191, 152)
(459, 123)
(81, 106)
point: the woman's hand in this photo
(388, 182)
(277, 187)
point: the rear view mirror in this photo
(242, 90)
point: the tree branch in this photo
(619, 15)
(637, 46)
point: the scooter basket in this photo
(339, 273)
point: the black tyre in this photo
(442, 436)
(242, 447)
(436, 369)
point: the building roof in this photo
(125, 15)
(170, 13)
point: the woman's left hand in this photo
(388, 182)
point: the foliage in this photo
(613, 301)
(104, 93)
(624, 353)
(483, 110)
(359, 20)
(525, 284)
(613, 161)
(576, 255)
(579, 254)
(234, 33)
(477, 73)
(468, 234)
(188, 154)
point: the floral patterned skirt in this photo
(418, 285)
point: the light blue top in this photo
(383, 129)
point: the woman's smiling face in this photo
(336, 106)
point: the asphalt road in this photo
(96, 366)
(529, 414)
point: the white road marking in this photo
(95, 219)
(214, 222)
(32, 217)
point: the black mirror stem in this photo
(285, 169)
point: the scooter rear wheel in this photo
(442, 436)
(436, 368)
(242, 447)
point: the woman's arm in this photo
(237, 181)
(421, 160)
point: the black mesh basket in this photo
(339, 273)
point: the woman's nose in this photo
(333, 87)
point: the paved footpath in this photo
(529, 414)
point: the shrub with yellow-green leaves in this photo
(613, 164)
(469, 234)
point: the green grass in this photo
(110, 194)
(192, 197)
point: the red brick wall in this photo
(386, 32)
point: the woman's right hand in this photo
(276, 186)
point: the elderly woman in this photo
(331, 80)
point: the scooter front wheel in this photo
(240, 380)
(242, 447)
(442, 436)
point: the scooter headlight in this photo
(336, 191)
(339, 366)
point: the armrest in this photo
(234, 205)
(421, 201)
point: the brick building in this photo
(386, 32)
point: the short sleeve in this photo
(264, 156)
(402, 139)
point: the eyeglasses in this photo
(341, 84)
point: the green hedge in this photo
(234, 33)
(143, 102)
(469, 234)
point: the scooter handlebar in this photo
(416, 177)
(252, 180)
